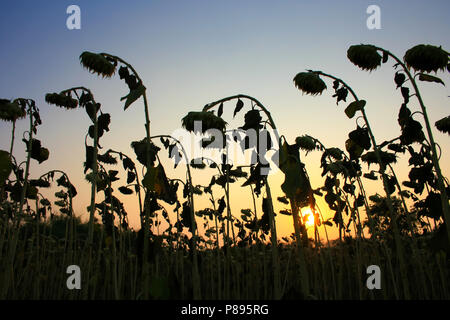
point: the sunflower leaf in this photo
(220, 110)
(353, 107)
(239, 106)
(133, 96)
(430, 78)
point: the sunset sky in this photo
(190, 53)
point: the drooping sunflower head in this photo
(309, 83)
(426, 58)
(11, 111)
(206, 119)
(97, 63)
(306, 143)
(364, 56)
(61, 100)
(443, 125)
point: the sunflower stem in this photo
(434, 154)
(393, 217)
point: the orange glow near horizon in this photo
(308, 217)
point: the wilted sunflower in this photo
(335, 153)
(10, 111)
(364, 56)
(386, 157)
(426, 58)
(96, 63)
(443, 125)
(305, 143)
(309, 82)
(61, 100)
(208, 121)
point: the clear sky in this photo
(190, 53)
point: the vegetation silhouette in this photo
(218, 252)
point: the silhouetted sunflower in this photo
(426, 58)
(208, 121)
(443, 125)
(365, 56)
(309, 83)
(61, 100)
(10, 111)
(96, 63)
(306, 143)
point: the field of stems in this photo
(215, 253)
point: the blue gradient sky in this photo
(192, 52)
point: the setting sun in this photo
(308, 217)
